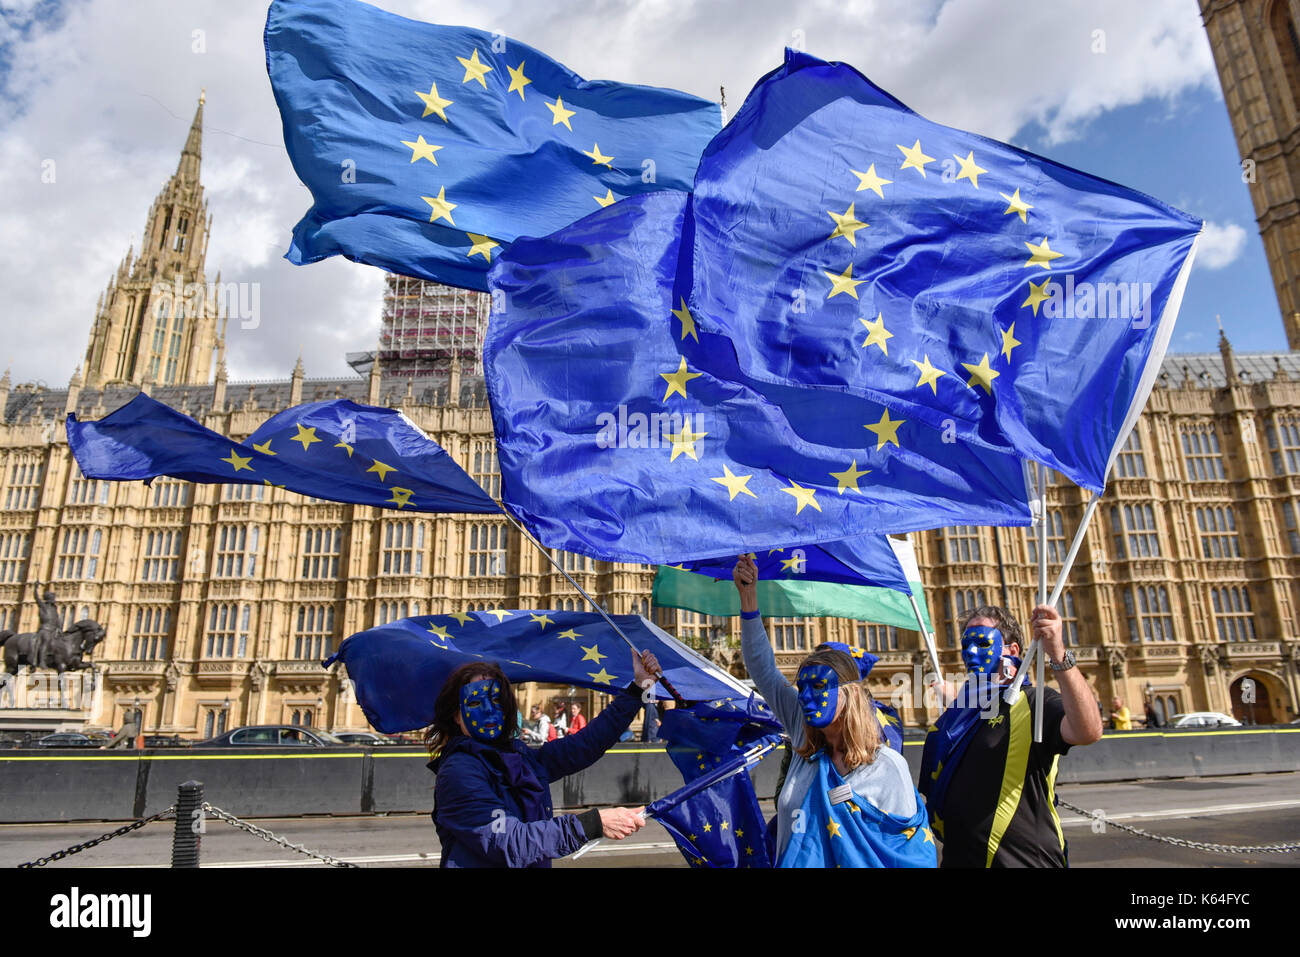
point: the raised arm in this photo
(1082, 721)
(760, 661)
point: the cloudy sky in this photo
(106, 90)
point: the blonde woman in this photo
(848, 800)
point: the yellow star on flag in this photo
(908, 832)
(517, 79)
(570, 634)
(684, 442)
(677, 380)
(265, 447)
(1037, 294)
(846, 224)
(791, 565)
(607, 200)
(437, 630)
(382, 469)
(834, 828)
(1009, 341)
(886, 430)
(439, 208)
(929, 375)
(461, 617)
(981, 374)
(345, 447)
(306, 436)
(592, 654)
(969, 169)
(543, 619)
(734, 484)
(1042, 255)
(1016, 205)
(597, 157)
(848, 479)
(877, 334)
(915, 158)
(804, 496)
(869, 180)
(401, 496)
(501, 615)
(707, 827)
(601, 677)
(482, 246)
(433, 103)
(687, 320)
(422, 149)
(239, 461)
(929, 838)
(844, 282)
(559, 114)
(475, 69)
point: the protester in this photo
(576, 721)
(1120, 719)
(650, 725)
(847, 799)
(559, 722)
(492, 798)
(988, 785)
(1153, 718)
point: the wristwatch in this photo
(1066, 663)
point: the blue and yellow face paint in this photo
(819, 694)
(480, 708)
(981, 649)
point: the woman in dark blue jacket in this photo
(492, 799)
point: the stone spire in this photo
(192, 155)
(5, 385)
(74, 392)
(372, 392)
(295, 383)
(1225, 350)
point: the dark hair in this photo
(447, 707)
(1002, 618)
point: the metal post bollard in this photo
(189, 825)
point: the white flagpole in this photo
(928, 638)
(1041, 660)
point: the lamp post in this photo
(225, 715)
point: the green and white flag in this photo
(675, 588)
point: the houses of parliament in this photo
(220, 601)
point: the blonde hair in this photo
(856, 718)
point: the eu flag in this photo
(844, 245)
(613, 444)
(867, 560)
(703, 736)
(715, 819)
(336, 450)
(428, 148)
(397, 668)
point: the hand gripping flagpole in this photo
(663, 680)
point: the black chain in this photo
(77, 848)
(1183, 842)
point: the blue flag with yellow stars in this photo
(336, 450)
(397, 668)
(612, 444)
(840, 829)
(428, 148)
(844, 245)
(715, 819)
(703, 736)
(867, 560)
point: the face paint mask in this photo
(819, 694)
(981, 649)
(480, 708)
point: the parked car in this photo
(368, 739)
(66, 739)
(165, 741)
(1204, 719)
(272, 736)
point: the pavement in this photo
(1240, 810)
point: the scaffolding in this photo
(425, 327)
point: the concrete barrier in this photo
(71, 786)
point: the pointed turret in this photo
(1225, 350)
(188, 167)
(5, 385)
(295, 383)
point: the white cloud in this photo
(108, 92)
(1221, 244)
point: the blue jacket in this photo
(471, 793)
